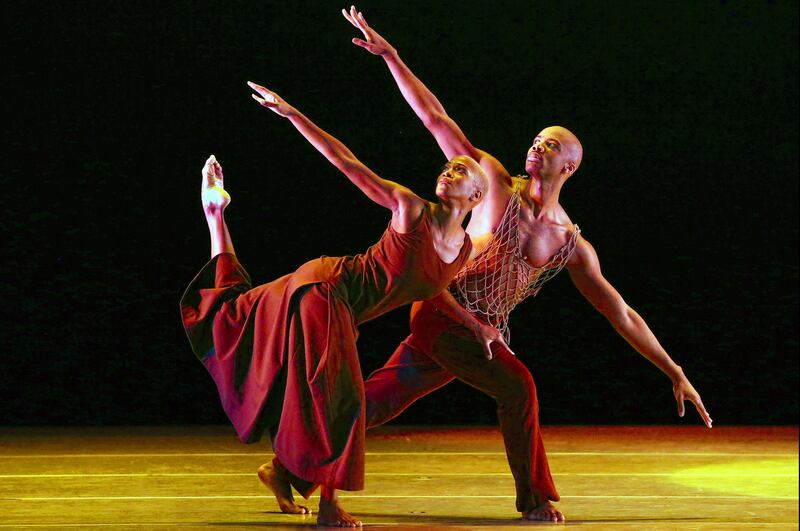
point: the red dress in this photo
(283, 354)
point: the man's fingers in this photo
(350, 20)
(359, 20)
(371, 48)
(701, 409)
(361, 27)
(706, 418)
(681, 408)
(351, 17)
(704, 415)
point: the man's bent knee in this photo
(519, 390)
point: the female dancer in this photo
(283, 354)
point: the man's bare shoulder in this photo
(494, 169)
(563, 219)
(584, 257)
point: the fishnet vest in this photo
(499, 278)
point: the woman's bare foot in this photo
(212, 191)
(275, 480)
(546, 512)
(331, 514)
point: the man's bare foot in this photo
(275, 480)
(546, 512)
(331, 514)
(212, 191)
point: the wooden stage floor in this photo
(621, 478)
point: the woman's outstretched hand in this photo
(270, 100)
(375, 44)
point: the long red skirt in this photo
(283, 356)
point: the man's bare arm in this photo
(427, 107)
(383, 192)
(584, 269)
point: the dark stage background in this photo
(688, 190)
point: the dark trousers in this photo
(436, 352)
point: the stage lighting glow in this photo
(767, 478)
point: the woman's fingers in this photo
(487, 349)
(267, 96)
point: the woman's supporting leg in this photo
(276, 478)
(331, 513)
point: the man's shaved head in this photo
(571, 145)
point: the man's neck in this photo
(542, 195)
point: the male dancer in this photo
(522, 237)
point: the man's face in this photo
(455, 180)
(550, 154)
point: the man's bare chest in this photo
(539, 241)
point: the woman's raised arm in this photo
(385, 193)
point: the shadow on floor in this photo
(417, 521)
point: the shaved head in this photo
(572, 146)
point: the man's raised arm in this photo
(449, 136)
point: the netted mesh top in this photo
(499, 278)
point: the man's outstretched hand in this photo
(374, 44)
(684, 390)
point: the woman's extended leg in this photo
(215, 199)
